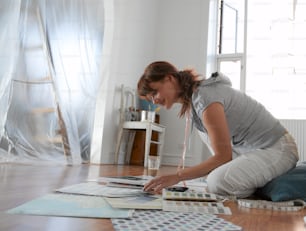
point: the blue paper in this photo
(58, 204)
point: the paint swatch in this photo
(294, 205)
(188, 196)
(196, 207)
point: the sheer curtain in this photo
(51, 53)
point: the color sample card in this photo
(196, 206)
(139, 202)
(294, 205)
(188, 196)
(145, 220)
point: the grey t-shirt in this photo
(251, 125)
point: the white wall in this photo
(145, 31)
(133, 38)
(182, 40)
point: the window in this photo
(230, 59)
(276, 56)
(270, 51)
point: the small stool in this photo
(147, 125)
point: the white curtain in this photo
(49, 73)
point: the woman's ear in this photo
(169, 78)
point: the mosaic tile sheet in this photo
(146, 220)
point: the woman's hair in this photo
(187, 80)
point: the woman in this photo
(250, 146)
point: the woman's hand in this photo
(158, 183)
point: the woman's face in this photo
(165, 92)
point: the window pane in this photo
(232, 70)
(276, 57)
(231, 25)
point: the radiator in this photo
(297, 128)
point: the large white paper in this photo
(96, 189)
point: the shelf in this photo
(55, 139)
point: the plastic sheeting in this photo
(50, 53)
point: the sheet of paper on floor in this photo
(59, 204)
(97, 189)
(139, 202)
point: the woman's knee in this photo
(216, 182)
(222, 182)
(212, 184)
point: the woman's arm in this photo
(216, 125)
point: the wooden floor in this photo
(21, 183)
